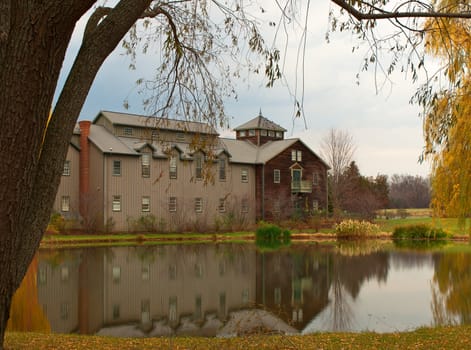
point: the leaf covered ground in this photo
(424, 338)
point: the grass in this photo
(148, 238)
(458, 337)
(450, 225)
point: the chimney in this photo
(84, 178)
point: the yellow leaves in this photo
(25, 313)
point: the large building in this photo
(128, 172)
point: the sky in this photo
(385, 127)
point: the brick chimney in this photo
(84, 178)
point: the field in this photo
(388, 219)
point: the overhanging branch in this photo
(383, 14)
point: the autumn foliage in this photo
(25, 313)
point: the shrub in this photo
(355, 229)
(418, 231)
(271, 236)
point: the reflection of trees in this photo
(25, 313)
(451, 288)
(340, 312)
(348, 274)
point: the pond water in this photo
(229, 289)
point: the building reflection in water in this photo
(208, 290)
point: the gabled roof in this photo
(142, 121)
(240, 151)
(109, 143)
(246, 152)
(260, 122)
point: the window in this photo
(245, 296)
(42, 275)
(198, 270)
(116, 274)
(199, 167)
(263, 132)
(64, 273)
(251, 132)
(222, 303)
(173, 167)
(315, 178)
(116, 311)
(145, 311)
(172, 204)
(145, 204)
(277, 296)
(155, 135)
(172, 309)
(128, 131)
(198, 309)
(65, 203)
(116, 203)
(271, 133)
(279, 134)
(172, 272)
(276, 176)
(222, 169)
(66, 170)
(296, 155)
(64, 311)
(222, 205)
(245, 205)
(145, 272)
(242, 133)
(145, 165)
(116, 168)
(180, 136)
(244, 175)
(222, 268)
(315, 205)
(198, 205)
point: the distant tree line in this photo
(407, 191)
(362, 196)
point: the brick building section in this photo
(84, 175)
(268, 192)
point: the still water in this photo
(229, 289)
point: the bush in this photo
(271, 236)
(355, 229)
(418, 231)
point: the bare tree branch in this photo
(384, 14)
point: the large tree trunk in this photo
(34, 36)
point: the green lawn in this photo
(425, 338)
(450, 225)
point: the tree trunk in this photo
(33, 40)
(32, 50)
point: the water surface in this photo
(229, 289)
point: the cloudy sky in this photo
(386, 128)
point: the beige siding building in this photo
(133, 173)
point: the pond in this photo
(235, 289)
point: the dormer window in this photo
(127, 131)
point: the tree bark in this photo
(32, 48)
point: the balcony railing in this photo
(301, 186)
